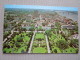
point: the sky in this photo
(42, 7)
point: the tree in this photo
(57, 24)
(55, 50)
(32, 29)
(74, 43)
(17, 44)
(48, 32)
(62, 44)
(30, 33)
(8, 17)
(5, 25)
(23, 29)
(19, 39)
(40, 28)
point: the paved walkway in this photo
(8, 36)
(31, 42)
(48, 48)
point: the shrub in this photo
(62, 44)
(74, 43)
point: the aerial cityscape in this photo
(40, 29)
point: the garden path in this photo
(31, 42)
(48, 48)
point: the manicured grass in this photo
(39, 50)
(70, 50)
(39, 35)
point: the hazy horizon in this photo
(42, 7)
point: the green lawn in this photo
(39, 35)
(39, 50)
(70, 50)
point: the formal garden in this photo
(39, 43)
(59, 44)
(19, 42)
